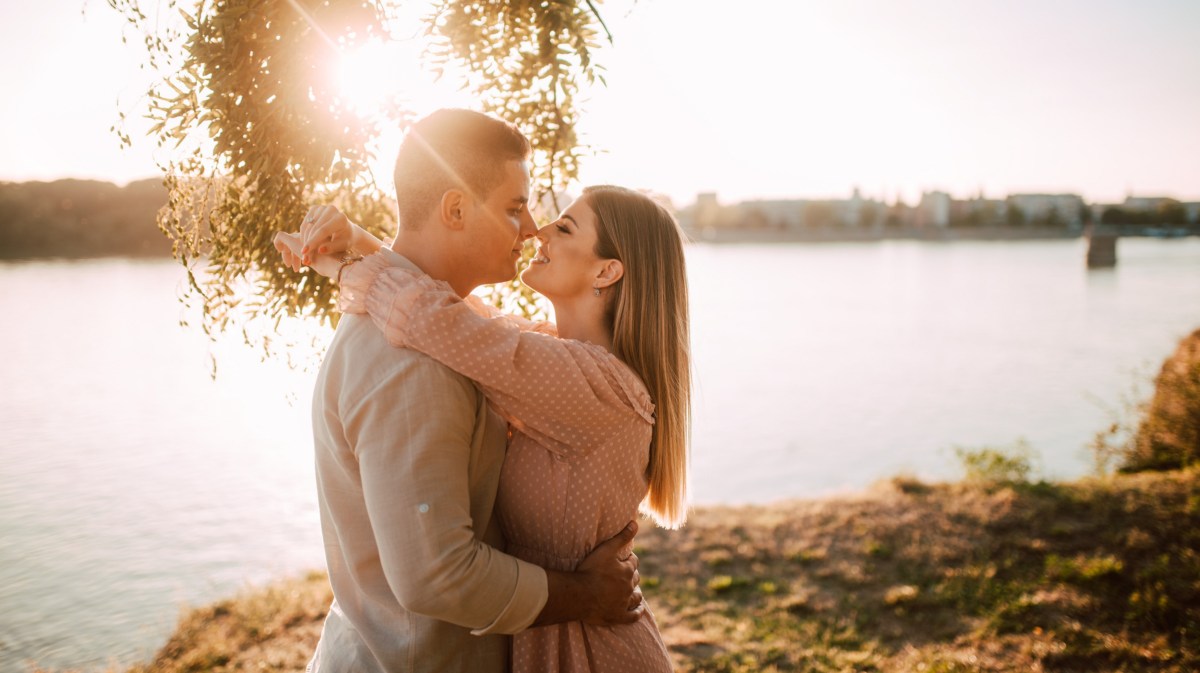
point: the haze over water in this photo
(132, 483)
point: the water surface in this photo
(132, 484)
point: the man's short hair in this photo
(453, 149)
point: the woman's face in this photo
(566, 265)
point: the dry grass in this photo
(273, 629)
(1090, 576)
(1168, 433)
(1097, 575)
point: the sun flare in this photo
(379, 73)
(370, 76)
(383, 77)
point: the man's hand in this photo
(612, 570)
(602, 590)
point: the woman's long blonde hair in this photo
(648, 315)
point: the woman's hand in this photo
(290, 246)
(327, 231)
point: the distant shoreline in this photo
(741, 236)
(871, 235)
(133, 256)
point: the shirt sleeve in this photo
(564, 394)
(413, 453)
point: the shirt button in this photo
(423, 508)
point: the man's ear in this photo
(451, 209)
(611, 271)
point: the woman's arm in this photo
(289, 247)
(525, 325)
(327, 231)
(324, 231)
(565, 394)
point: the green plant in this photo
(877, 549)
(720, 584)
(1111, 446)
(1011, 465)
(253, 126)
(1168, 432)
(1083, 568)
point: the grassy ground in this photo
(1096, 575)
(1088, 576)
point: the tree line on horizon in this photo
(81, 218)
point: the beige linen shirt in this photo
(408, 459)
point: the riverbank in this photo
(766, 235)
(1093, 575)
(873, 234)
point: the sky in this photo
(760, 99)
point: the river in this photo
(133, 484)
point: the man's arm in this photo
(412, 436)
(602, 590)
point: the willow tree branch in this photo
(601, 20)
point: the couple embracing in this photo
(479, 474)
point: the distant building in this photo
(852, 209)
(979, 211)
(1149, 210)
(1146, 204)
(768, 214)
(934, 210)
(706, 212)
(783, 214)
(1044, 208)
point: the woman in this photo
(598, 405)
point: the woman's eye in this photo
(563, 229)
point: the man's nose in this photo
(529, 228)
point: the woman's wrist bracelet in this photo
(346, 261)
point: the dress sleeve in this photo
(357, 279)
(525, 325)
(564, 394)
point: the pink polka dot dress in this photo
(580, 424)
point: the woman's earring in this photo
(596, 291)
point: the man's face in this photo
(500, 225)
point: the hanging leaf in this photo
(254, 129)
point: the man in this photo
(408, 453)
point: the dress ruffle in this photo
(635, 391)
(396, 293)
(356, 282)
